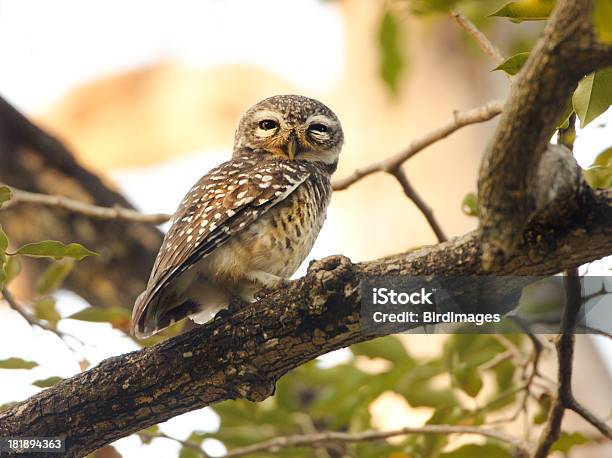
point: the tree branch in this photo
(243, 355)
(314, 439)
(184, 443)
(414, 196)
(10, 300)
(75, 206)
(460, 119)
(564, 398)
(480, 38)
(35, 161)
(567, 51)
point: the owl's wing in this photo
(222, 203)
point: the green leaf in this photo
(391, 60)
(150, 430)
(593, 95)
(432, 6)
(5, 194)
(17, 363)
(3, 247)
(118, 317)
(56, 250)
(604, 158)
(601, 19)
(44, 309)
(389, 348)
(542, 414)
(504, 374)
(599, 175)
(478, 451)
(187, 452)
(423, 394)
(12, 268)
(512, 65)
(565, 117)
(569, 440)
(54, 276)
(526, 10)
(430, 445)
(3, 240)
(469, 205)
(467, 378)
(47, 382)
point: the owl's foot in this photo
(236, 303)
(279, 283)
(264, 283)
(222, 314)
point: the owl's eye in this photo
(268, 124)
(320, 128)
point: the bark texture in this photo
(243, 355)
(33, 160)
(540, 230)
(539, 94)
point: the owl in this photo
(250, 222)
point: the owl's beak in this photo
(292, 146)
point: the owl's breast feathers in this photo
(222, 204)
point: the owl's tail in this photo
(150, 315)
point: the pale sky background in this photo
(48, 48)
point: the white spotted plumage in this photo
(248, 223)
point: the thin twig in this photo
(309, 440)
(590, 417)
(530, 376)
(511, 347)
(411, 193)
(10, 299)
(94, 211)
(564, 398)
(460, 119)
(480, 38)
(496, 361)
(307, 426)
(159, 435)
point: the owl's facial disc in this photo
(291, 127)
(276, 136)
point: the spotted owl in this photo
(248, 223)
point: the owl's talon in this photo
(236, 303)
(281, 283)
(222, 314)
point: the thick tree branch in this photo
(567, 51)
(37, 162)
(242, 355)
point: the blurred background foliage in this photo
(454, 380)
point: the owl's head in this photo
(290, 127)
